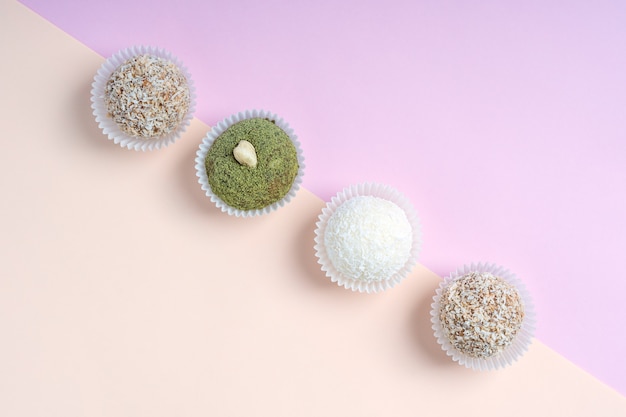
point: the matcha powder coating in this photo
(244, 187)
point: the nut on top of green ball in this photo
(245, 154)
(252, 164)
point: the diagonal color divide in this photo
(504, 125)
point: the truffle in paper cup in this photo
(263, 176)
(483, 316)
(143, 98)
(368, 238)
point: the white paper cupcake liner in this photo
(522, 339)
(374, 190)
(220, 128)
(108, 125)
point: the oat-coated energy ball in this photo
(481, 314)
(147, 96)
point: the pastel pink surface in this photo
(503, 122)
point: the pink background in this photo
(503, 123)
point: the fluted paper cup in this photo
(521, 340)
(106, 123)
(358, 283)
(214, 134)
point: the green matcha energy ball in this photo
(247, 187)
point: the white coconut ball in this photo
(368, 238)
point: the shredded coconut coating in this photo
(480, 314)
(147, 96)
(368, 238)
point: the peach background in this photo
(125, 293)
